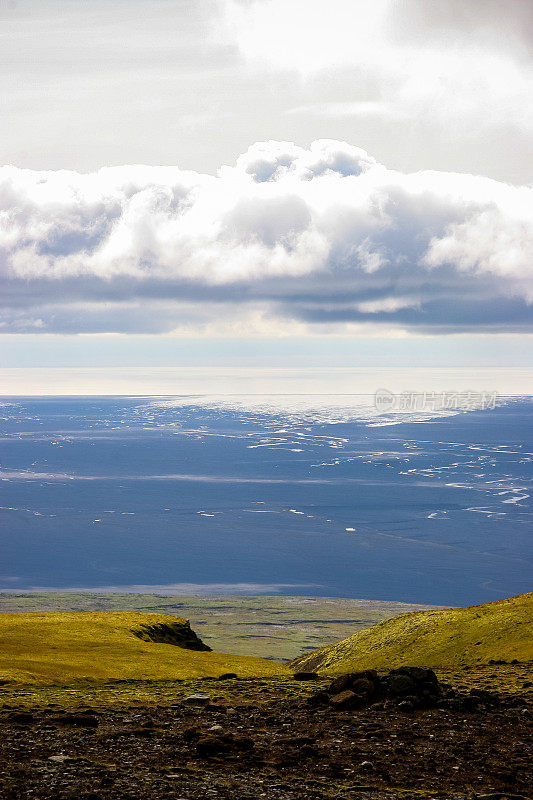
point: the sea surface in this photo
(266, 495)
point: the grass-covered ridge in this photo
(278, 628)
(61, 647)
(502, 630)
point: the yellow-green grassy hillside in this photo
(502, 630)
(61, 647)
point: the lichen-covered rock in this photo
(343, 699)
(197, 699)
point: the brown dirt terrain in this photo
(255, 739)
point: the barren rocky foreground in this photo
(398, 735)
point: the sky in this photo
(266, 182)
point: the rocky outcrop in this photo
(405, 688)
(179, 634)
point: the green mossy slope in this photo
(502, 630)
(61, 647)
(279, 628)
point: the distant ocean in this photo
(300, 495)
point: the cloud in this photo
(324, 237)
(413, 19)
(172, 588)
(460, 63)
(445, 85)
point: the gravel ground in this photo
(284, 749)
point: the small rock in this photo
(197, 699)
(22, 717)
(318, 699)
(211, 745)
(305, 676)
(368, 766)
(216, 729)
(340, 684)
(343, 699)
(308, 751)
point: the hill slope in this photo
(502, 630)
(279, 628)
(59, 647)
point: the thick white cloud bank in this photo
(322, 239)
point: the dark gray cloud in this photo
(324, 237)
